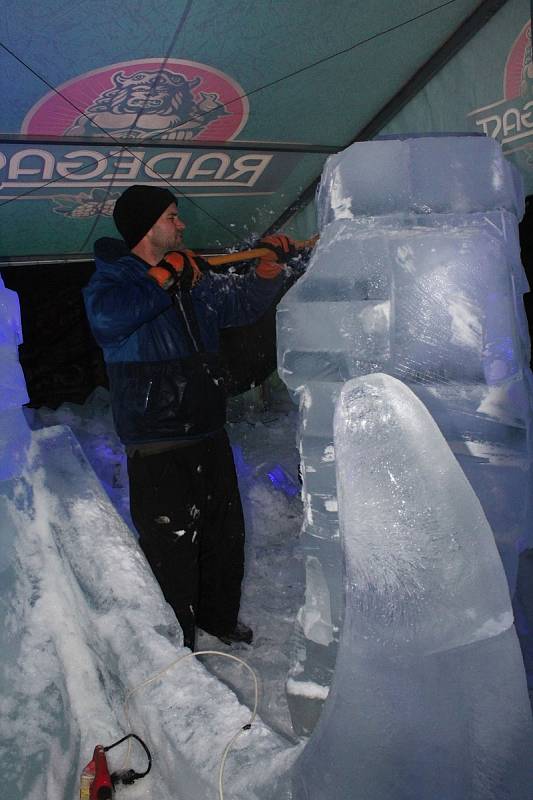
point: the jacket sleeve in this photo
(116, 309)
(242, 299)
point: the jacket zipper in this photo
(177, 296)
(149, 389)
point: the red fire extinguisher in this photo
(97, 783)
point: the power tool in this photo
(97, 783)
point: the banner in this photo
(487, 88)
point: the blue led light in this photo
(283, 481)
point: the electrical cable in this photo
(325, 58)
(131, 775)
(258, 88)
(243, 728)
(361, 42)
(216, 107)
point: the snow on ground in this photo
(86, 628)
(263, 439)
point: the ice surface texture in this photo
(439, 308)
(84, 621)
(13, 392)
(14, 432)
(417, 274)
(428, 175)
(429, 698)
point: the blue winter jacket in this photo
(161, 352)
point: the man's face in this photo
(166, 234)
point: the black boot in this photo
(240, 633)
(187, 623)
(189, 637)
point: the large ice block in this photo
(434, 302)
(428, 175)
(435, 306)
(429, 698)
(417, 274)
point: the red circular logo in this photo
(518, 68)
(172, 100)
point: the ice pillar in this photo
(429, 698)
(14, 431)
(417, 274)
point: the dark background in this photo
(61, 360)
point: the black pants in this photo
(186, 507)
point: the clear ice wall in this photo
(417, 274)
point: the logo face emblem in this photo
(173, 100)
(510, 120)
(518, 74)
(152, 122)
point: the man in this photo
(156, 313)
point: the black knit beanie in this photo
(137, 209)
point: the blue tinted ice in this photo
(14, 432)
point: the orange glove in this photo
(165, 278)
(282, 250)
(181, 260)
(176, 270)
(283, 246)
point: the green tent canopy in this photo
(234, 105)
